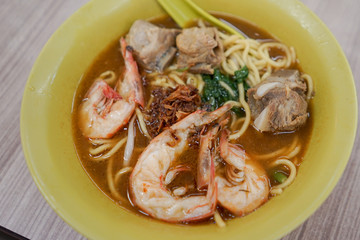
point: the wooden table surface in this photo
(26, 25)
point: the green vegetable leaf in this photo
(215, 95)
(238, 111)
(241, 75)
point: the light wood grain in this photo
(25, 26)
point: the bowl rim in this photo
(290, 227)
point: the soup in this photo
(199, 144)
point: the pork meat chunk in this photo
(200, 49)
(154, 47)
(279, 102)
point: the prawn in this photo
(104, 111)
(147, 179)
(245, 196)
(205, 154)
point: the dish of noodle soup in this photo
(193, 125)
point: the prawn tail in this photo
(132, 71)
(126, 52)
(127, 55)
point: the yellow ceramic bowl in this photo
(52, 160)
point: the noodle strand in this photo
(292, 175)
(247, 112)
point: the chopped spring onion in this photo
(182, 69)
(279, 177)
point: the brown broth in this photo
(252, 141)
